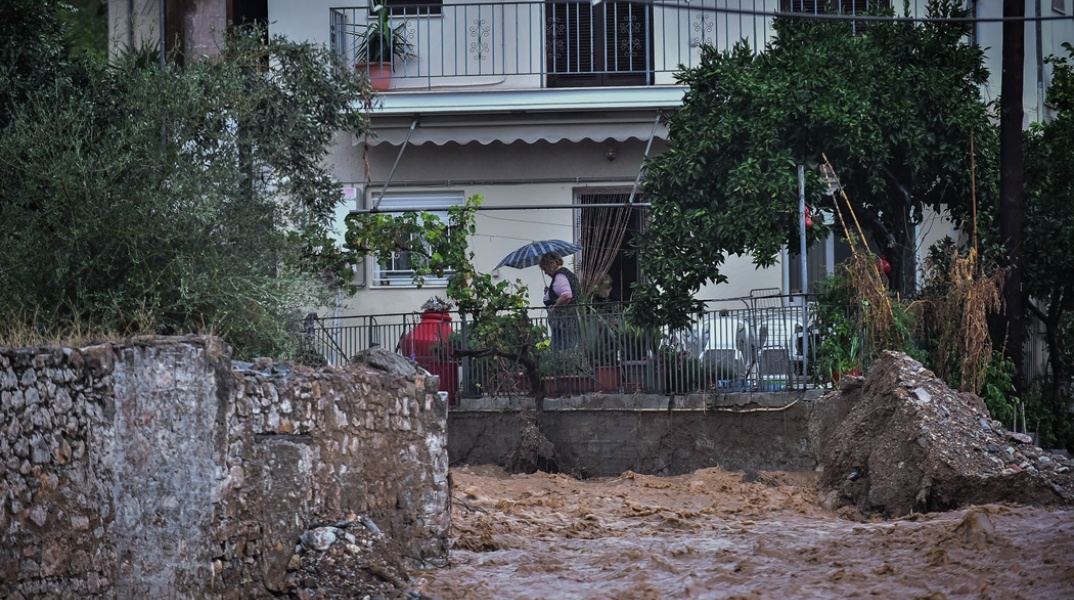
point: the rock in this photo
(1019, 437)
(383, 360)
(319, 539)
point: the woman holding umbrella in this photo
(560, 294)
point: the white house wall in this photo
(550, 174)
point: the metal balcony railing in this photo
(526, 45)
(537, 44)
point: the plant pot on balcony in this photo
(381, 42)
(380, 74)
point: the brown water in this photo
(712, 535)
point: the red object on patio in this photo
(428, 344)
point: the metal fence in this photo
(597, 348)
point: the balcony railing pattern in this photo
(755, 348)
(534, 44)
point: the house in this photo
(547, 109)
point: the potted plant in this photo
(380, 45)
(639, 348)
(565, 373)
(601, 349)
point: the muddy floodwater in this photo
(719, 534)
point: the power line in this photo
(849, 17)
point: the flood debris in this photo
(534, 452)
(911, 444)
(348, 558)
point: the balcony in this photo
(536, 45)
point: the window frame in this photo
(436, 203)
(413, 8)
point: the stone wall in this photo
(606, 435)
(158, 468)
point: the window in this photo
(597, 45)
(395, 269)
(413, 7)
(842, 7)
(1059, 6)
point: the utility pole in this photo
(1011, 190)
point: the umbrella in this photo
(531, 253)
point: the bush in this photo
(148, 199)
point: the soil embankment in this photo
(912, 444)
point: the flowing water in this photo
(719, 534)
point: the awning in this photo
(522, 116)
(431, 130)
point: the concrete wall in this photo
(598, 435)
(159, 469)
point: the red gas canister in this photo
(428, 344)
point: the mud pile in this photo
(912, 444)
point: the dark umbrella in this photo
(531, 253)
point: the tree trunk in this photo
(1012, 196)
(903, 255)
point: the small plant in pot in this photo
(380, 44)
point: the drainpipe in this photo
(163, 33)
(130, 24)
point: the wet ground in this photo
(719, 534)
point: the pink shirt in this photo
(560, 286)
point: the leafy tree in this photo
(501, 328)
(1049, 274)
(893, 109)
(87, 27)
(32, 50)
(163, 199)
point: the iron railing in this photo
(596, 348)
(537, 44)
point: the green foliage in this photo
(683, 373)
(148, 198)
(436, 248)
(32, 51)
(848, 341)
(501, 334)
(1054, 428)
(839, 322)
(380, 42)
(1049, 177)
(893, 109)
(599, 335)
(638, 341)
(564, 362)
(1049, 243)
(998, 391)
(86, 23)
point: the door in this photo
(606, 263)
(603, 45)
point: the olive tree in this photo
(141, 197)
